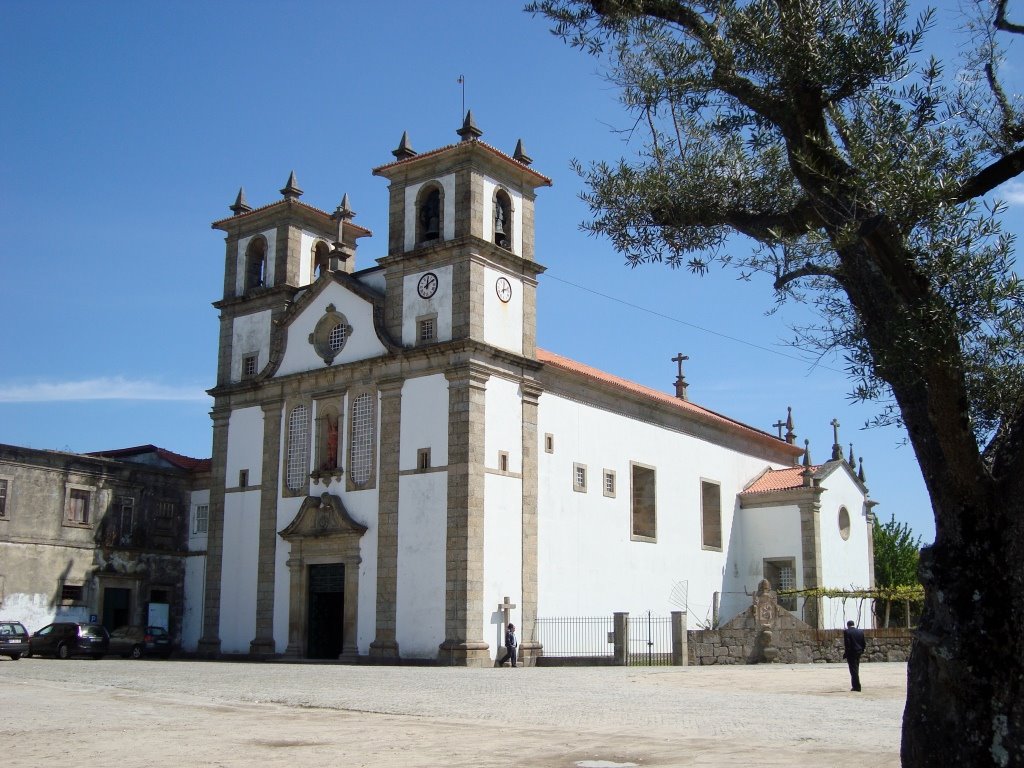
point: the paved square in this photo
(150, 713)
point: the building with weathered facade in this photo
(101, 537)
(397, 466)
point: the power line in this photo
(662, 315)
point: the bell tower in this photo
(460, 263)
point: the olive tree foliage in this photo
(866, 175)
(806, 125)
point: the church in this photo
(395, 461)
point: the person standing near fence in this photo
(510, 646)
(853, 645)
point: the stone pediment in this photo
(322, 516)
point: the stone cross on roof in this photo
(680, 380)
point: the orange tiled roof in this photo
(550, 358)
(175, 459)
(482, 144)
(313, 208)
(779, 480)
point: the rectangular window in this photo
(3, 499)
(781, 574)
(423, 458)
(77, 510)
(243, 478)
(643, 502)
(549, 443)
(165, 516)
(609, 483)
(72, 593)
(579, 478)
(126, 520)
(250, 366)
(711, 515)
(503, 461)
(426, 329)
(201, 524)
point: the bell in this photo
(431, 232)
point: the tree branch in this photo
(763, 226)
(990, 177)
(1002, 23)
(807, 270)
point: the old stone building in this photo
(396, 464)
(100, 537)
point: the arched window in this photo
(503, 219)
(256, 263)
(320, 259)
(297, 471)
(429, 214)
(328, 428)
(361, 425)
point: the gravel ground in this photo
(154, 713)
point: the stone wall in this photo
(794, 646)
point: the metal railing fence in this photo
(563, 636)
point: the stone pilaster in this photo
(529, 649)
(230, 265)
(209, 643)
(528, 225)
(263, 643)
(386, 644)
(463, 644)
(810, 542)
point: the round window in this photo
(336, 338)
(844, 523)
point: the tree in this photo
(859, 170)
(897, 554)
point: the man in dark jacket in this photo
(510, 645)
(854, 644)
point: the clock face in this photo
(427, 286)
(504, 289)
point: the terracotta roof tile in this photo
(550, 358)
(175, 459)
(476, 142)
(778, 480)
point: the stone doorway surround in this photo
(322, 532)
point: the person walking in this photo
(853, 645)
(510, 646)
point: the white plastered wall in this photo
(306, 242)
(503, 321)
(422, 518)
(447, 183)
(490, 185)
(243, 243)
(845, 563)
(250, 334)
(771, 533)
(415, 306)
(245, 446)
(361, 344)
(195, 577)
(588, 563)
(503, 507)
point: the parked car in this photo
(137, 642)
(64, 639)
(13, 639)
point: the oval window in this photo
(844, 523)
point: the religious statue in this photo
(330, 460)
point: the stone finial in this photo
(681, 384)
(291, 190)
(807, 453)
(469, 131)
(837, 449)
(520, 154)
(860, 472)
(344, 210)
(850, 460)
(240, 206)
(404, 150)
(790, 434)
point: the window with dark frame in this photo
(164, 516)
(202, 519)
(427, 330)
(126, 519)
(549, 443)
(250, 366)
(609, 483)
(3, 499)
(72, 593)
(243, 478)
(503, 461)
(781, 574)
(423, 458)
(710, 515)
(579, 477)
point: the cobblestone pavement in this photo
(151, 713)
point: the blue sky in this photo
(126, 128)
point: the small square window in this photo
(165, 516)
(579, 478)
(423, 459)
(250, 366)
(243, 478)
(503, 461)
(71, 593)
(609, 483)
(427, 330)
(549, 443)
(201, 522)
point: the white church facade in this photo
(393, 456)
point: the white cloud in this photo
(106, 388)
(1012, 192)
